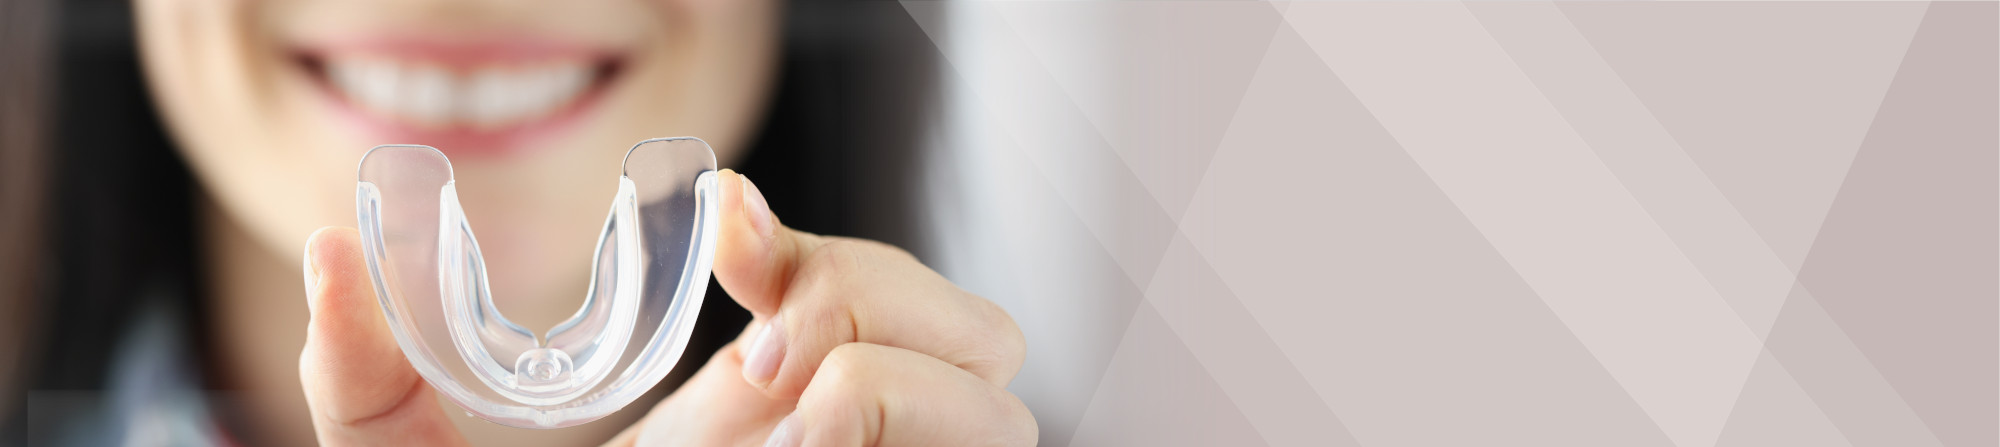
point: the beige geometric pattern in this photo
(1481, 223)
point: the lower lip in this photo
(465, 141)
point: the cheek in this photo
(711, 74)
(216, 82)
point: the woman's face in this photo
(535, 102)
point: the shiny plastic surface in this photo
(651, 271)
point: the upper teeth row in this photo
(433, 96)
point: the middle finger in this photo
(851, 290)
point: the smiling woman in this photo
(167, 252)
(535, 100)
(272, 103)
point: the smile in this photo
(463, 98)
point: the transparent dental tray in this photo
(651, 269)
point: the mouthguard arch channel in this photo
(652, 265)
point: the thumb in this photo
(755, 255)
(360, 388)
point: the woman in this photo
(270, 104)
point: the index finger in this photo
(755, 254)
(361, 389)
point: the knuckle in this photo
(849, 256)
(1008, 333)
(845, 374)
(998, 348)
(850, 361)
(1016, 425)
(826, 284)
(837, 257)
(882, 249)
(824, 320)
(826, 271)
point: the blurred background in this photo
(1267, 223)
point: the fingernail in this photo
(761, 363)
(758, 211)
(787, 433)
(311, 274)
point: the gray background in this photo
(1483, 223)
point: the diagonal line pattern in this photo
(1915, 220)
(1356, 130)
(1731, 254)
(1043, 169)
(1675, 376)
(1680, 281)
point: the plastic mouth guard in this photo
(652, 267)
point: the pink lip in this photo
(462, 55)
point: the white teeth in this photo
(484, 97)
(491, 98)
(427, 97)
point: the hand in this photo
(854, 343)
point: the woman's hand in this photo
(854, 343)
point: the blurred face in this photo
(535, 102)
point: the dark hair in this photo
(116, 217)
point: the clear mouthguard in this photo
(651, 271)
